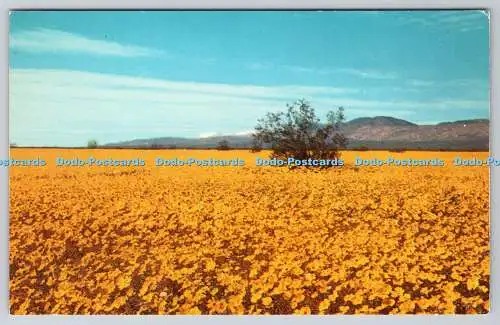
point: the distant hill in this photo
(379, 121)
(381, 132)
(236, 141)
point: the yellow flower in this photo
(407, 307)
(267, 301)
(324, 305)
(215, 306)
(255, 297)
(209, 265)
(472, 283)
(194, 311)
(303, 311)
(123, 281)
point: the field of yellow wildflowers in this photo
(247, 240)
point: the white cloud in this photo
(301, 69)
(370, 74)
(208, 134)
(460, 17)
(469, 84)
(462, 20)
(246, 132)
(405, 107)
(420, 83)
(62, 107)
(68, 104)
(159, 87)
(362, 73)
(258, 66)
(214, 134)
(44, 40)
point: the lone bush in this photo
(223, 145)
(300, 134)
(398, 150)
(256, 146)
(156, 146)
(92, 144)
(363, 148)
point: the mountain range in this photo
(381, 132)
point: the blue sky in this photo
(125, 75)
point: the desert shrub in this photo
(398, 150)
(223, 145)
(91, 144)
(363, 148)
(299, 133)
(256, 146)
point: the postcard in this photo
(249, 162)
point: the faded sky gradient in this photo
(124, 75)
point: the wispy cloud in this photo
(370, 74)
(214, 134)
(388, 75)
(420, 83)
(402, 107)
(302, 69)
(258, 66)
(362, 73)
(123, 107)
(462, 20)
(106, 86)
(477, 84)
(44, 40)
(245, 132)
(63, 107)
(207, 134)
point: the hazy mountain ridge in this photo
(381, 132)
